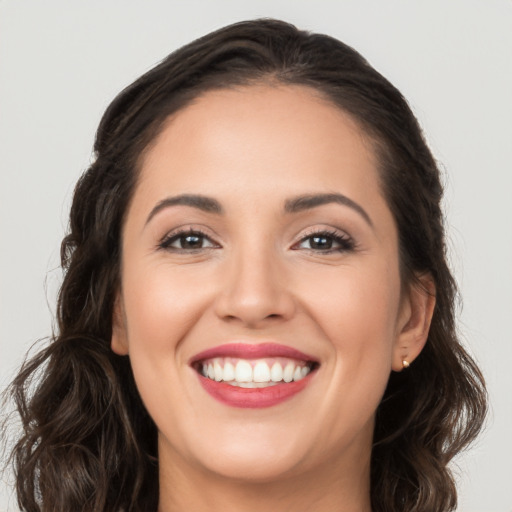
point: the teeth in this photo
(229, 371)
(217, 370)
(261, 372)
(287, 373)
(243, 372)
(253, 374)
(251, 384)
(276, 373)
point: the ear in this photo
(119, 341)
(415, 317)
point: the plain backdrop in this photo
(62, 62)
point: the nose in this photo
(255, 292)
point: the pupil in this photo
(321, 242)
(191, 241)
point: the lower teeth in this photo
(251, 384)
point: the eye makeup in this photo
(326, 241)
(193, 239)
(188, 239)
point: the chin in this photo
(252, 454)
(256, 465)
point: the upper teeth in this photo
(250, 373)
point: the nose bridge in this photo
(255, 289)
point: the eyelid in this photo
(164, 242)
(346, 241)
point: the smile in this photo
(254, 373)
(251, 376)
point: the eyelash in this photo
(169, 239)
(345, 243)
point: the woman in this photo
(254, 260)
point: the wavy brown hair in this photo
(88, 443)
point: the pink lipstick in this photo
(253, 351)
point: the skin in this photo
(258, 278)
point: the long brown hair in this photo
(87, 441)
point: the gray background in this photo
(61, 62)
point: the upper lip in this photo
(252, 351)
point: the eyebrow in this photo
(306, 202)
(206, 204)
(293, 205)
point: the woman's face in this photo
(257, 229)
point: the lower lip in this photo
(252, 398)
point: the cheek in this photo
(358, 317)
(161, 306)
(356, 304)
(358, 314)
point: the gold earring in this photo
(405, 364)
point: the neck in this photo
(331, 487)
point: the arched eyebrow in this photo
(204, 203)
(292, 205)
(308, 201)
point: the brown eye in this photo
(188, 241)
(321, 242)
(326, 242)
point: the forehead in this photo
(250, 135)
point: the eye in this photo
(190, 240)
(326, 241)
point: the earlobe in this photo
(415, 319)
(119, 341)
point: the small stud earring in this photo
(405, 364)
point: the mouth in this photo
(251, 376)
